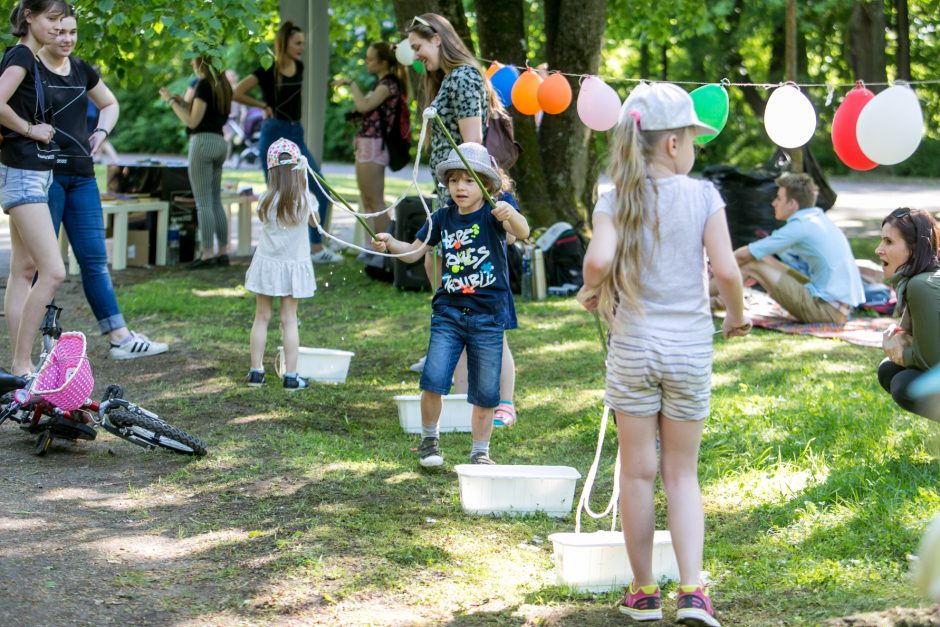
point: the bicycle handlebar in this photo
(10, 382)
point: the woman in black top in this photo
(26, 159)
(204, 119)
(74, 198)
(281, 89)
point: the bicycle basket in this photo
(65, 379)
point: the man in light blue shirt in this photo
(834, 285)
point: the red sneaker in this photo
(694, 607)
(642, 604)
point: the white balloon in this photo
(789, 117)
(890, 126)
(404, 53)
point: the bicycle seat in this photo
(10, 382)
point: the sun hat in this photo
(280, 147)
(661, 107)
(478, 158)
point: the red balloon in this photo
(844, 138)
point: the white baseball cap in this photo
(662, 107)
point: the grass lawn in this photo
(311, 506)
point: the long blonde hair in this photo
(287, 189)
(631, 150)
(454, 53)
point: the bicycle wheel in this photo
(151, 433)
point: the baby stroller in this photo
(246, 136)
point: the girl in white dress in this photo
(281, 266)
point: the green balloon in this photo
(711, 107)
(418, 66)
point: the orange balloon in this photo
(525, 93)
(554, 94)
(493, 69)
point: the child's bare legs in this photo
(481, 424)
(289, 333)
(679, 446)
(636, 437)
(431, 405)
(31, 231)
(259, 330)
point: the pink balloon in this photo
(598, 104)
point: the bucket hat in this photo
(478, 158)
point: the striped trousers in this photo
(207, 152)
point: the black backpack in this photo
(397, 139)
(564, 254)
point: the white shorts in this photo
(649, 376)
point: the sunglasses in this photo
(420, 21)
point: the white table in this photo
(244, 203)
(121, 209)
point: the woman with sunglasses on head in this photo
(281, 90)
(74, 198)
(456, 88)
(26, 160)
(910, 254)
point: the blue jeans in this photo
(273, 129)
(76, 202)
(452, 329)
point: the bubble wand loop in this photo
(600, 332)
(450, 139)
(332, 191)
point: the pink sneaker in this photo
(694, 607)
(643, 604)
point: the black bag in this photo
(500, 139)
(514, 253)
(564, 254)
(409, 218)
(397, 139)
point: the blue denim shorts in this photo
(452, 329)
(23, 187)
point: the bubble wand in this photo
(332, 191)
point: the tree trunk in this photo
(570, 168)
(866, 42)
(501, 29)
(904, 40)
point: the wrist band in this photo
(105, 131)
(29, 127)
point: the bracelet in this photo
(105, 131)
(29, 127)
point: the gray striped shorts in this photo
(648, 376)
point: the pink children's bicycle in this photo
(53, 402)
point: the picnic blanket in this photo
(766, 313)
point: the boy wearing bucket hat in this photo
(468, 310)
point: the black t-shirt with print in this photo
(18, 151)
(473, 246)
(212, 121)
(68, 96)
(283, 98)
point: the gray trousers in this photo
(207, 153)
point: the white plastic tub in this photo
(597, 562)
(456, 413)
(319, 364)
(514, 490)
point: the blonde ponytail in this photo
(631, 150)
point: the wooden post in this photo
(796, 154)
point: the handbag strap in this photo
(40, 92)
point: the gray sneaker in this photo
(429, 453)
(325, 256)
(482, 459)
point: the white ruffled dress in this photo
(281, 265)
